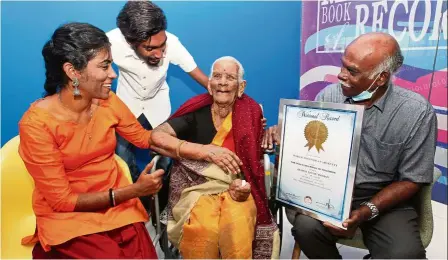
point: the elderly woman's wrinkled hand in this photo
(238, 192)
(224, 158)
(271, 136)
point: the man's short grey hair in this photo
(230, 58)
(390, 64)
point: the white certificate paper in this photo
(317, 164)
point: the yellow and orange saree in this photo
(203, 220)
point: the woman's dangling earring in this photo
(75, 83)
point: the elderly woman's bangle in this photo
(181, 142)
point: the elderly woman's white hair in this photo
(232, 59)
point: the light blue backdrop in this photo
(264, 36)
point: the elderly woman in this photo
(218, 204)
(84, 205)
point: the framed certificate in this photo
(318, 157)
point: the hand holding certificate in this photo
(349, 225)
(318, 157)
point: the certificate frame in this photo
(356, 112)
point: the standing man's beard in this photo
(148, 60)
(153, 62)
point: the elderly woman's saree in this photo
(196, 183)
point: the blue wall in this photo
(264, 36)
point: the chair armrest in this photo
(267, 174)
(155, 160)
(164, 163)
(437, 174)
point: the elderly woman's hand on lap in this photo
(223, 157)
(239, 192)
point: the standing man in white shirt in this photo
(143, 49)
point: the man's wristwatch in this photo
(373, 209)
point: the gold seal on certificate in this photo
(316, 134)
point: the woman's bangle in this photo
(112, 197)
(181, 142)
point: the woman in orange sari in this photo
(218, 204)
(84, 205)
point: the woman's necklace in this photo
(71, 111)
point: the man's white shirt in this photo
(143, 88)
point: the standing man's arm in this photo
(179, 55)
(199, 76)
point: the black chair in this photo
(158, 203)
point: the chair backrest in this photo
(423, 207)
(18, 218)
(124, 167)
(17, 185)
